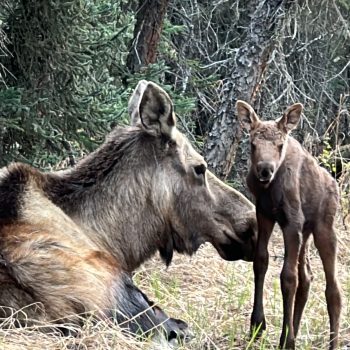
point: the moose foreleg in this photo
(289, 282)
(260, 265)
(136, 313)
(304, 282)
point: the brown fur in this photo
(69, 240)
(294, 191)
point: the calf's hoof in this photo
(257, 328)
(287, 343)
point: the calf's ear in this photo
(246, 115)
(290, 118)
(151, 107)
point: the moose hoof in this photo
(287, 344)
(257, 329)
(178, 330)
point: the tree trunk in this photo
(247, 70)
(149, 22)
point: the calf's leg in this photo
(289, 282)
(260, 265)
(326, 243)
(304, 282)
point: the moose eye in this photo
(280, 147)
(200, 169)
(252, 146)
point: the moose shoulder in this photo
(294, 191)
(69, 240)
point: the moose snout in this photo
(265, 171)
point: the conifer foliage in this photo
(67, 68)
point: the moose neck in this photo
(109, 195)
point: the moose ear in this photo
(134, 102)
(246, 115)
(290, 118)
(151, 107)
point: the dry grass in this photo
(215, 298)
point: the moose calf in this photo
(293, 190)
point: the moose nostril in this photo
(200, 169)
(265, 173)
(265, 170)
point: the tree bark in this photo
(247, 71)
(149, 22)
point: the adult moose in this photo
(293, 190)
(69, 240)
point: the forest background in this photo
(67, 69)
